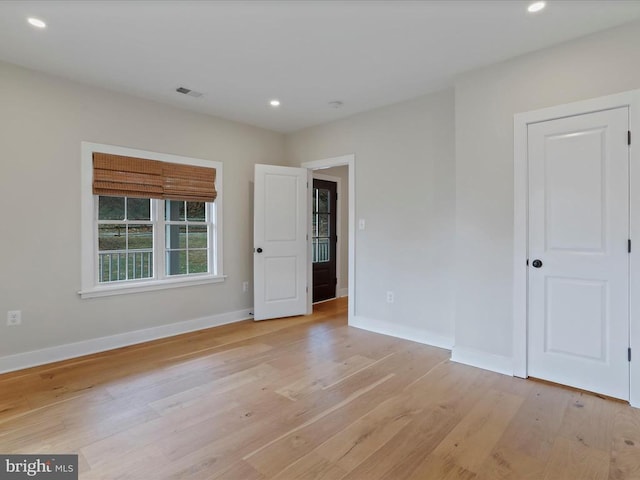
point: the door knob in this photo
(259, 250)
(537, 263)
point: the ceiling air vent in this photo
(188, 91)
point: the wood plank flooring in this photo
(309, 398)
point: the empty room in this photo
(320, 239)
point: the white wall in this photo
(43, 119)
(343, 203)
(485, 102)
(405, 192)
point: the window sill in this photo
(138, 287)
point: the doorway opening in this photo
(340, 170)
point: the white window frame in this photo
(90, 287)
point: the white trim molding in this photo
(133, 287)
(58, 353)
(484, 360)
(402, 331)
(520, 220)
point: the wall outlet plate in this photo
(14, 318)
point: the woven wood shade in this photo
(187, 182)
(120, 176)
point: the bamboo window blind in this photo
(121, 176)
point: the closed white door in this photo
(280, 241)
(578, 322)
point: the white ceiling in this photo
(241, 54)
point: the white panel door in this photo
(578, 322)
(280, 261)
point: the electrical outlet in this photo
(245, 286)
(14, 318)
(390, 297)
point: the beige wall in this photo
(434, 175)
(343, 203)
(418, 200)
(405, 192)
(485, 102)
(43, 119)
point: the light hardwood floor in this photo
(309, 398)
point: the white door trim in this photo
(350, 161)
(520, 221)
(338, 182)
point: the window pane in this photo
(140, 237)
(139, 264)
(112, 237)
(323, 200)
(198, 261)
(196, 211)
(176, 262)
(110, 208)
(138, 209)
(198, 236)
(174, 210)
(176, 236)
(322, 253)
(323, 225)
(112, 266)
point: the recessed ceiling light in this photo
(274, 103)
(36, 22)
(536, 7)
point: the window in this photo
(320, 225)
(125, 239)
(136, 239)
(187, 231)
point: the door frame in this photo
(521, 122)
(338, 182)
(350, 161)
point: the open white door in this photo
(280, 253)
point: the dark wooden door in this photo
(325, 198)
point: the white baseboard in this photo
(484, 360)
(34, 358)
(402, 331)
(342, 292)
